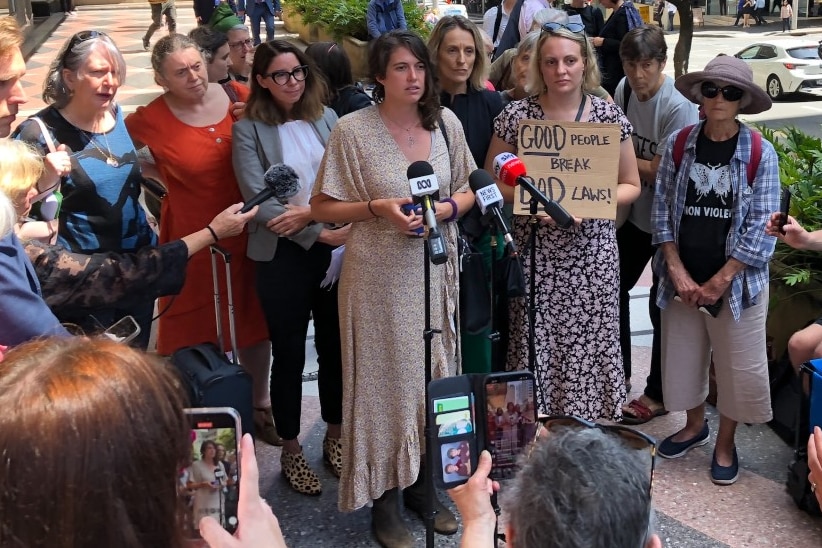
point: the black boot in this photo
(445, 523)
(387, 524)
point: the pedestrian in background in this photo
(786, 14)
(740, 10)
(671, 12)
(158, 9)
(261, 10)
(384, 16)
(759, 12)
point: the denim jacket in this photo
(752, 206)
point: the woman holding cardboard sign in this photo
(579, 366)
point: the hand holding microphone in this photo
(281, 182)
(511, 171)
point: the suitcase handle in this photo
(226, 255)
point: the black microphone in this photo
(489, 199)
(511, 171)
(281, 182)
(424, 185)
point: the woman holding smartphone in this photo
(286, 123)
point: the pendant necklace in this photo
(411, 140)
(110, 159)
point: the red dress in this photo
(195, 163)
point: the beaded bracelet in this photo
(454, 212)
(213, 234)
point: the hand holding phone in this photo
(784, 209)
(258, 527)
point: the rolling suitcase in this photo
(210, 379)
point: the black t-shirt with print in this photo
(706, 219)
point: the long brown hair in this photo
(380, 54)
(93, 436)
(261, 106)
(457, 22)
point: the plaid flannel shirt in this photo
(752, 206)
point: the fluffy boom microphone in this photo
(281, 182)
(511, 171)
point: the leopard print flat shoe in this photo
(299, 475)
(332, 454)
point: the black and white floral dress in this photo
(579, 364)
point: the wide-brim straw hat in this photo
(726, 70)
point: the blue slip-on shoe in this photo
(671, 449)
(725, 475)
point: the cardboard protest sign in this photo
(576, 164)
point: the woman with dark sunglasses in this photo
(94, 164)
(579, 365)
(717, 184)
(188, 130)
(286, 123)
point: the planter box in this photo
(357, 52)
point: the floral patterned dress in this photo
(579, 364)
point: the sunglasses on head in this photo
(576, 28)
(730, 93)
(79, 38)
(633, 439)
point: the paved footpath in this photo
(692, 511)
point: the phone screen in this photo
(512, 418)
(454, 423)
(124, 330)
(209, 485)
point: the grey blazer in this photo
(255, 147)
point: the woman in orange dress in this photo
(188, 130)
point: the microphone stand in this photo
(532, 300)
(428, 335)
(493, 335)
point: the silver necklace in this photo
(411, 140)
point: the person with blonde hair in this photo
(577, 270)
(457, 48)
(24, 315)
(12, 70)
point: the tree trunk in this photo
(682, 51)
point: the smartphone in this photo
(784, 208)
(511, 413)
(210, 484)
(417, 209)
(453, 419)
(124, 330)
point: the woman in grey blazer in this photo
(286, 123)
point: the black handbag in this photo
(475, 294)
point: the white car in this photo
(785, 66)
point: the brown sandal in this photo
(637, 412)
(264, 428)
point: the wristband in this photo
(371, 210)
(454, 212)
(213, 234)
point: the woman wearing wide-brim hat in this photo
(709, 220)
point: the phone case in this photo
(500, 419)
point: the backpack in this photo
(756, 150)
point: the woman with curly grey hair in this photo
(91, 160)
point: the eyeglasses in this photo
(249, 43)
(576, 28)
(282, 77)
(730, 93)
(633, 439)
(79, 38)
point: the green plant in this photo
(800, 169)
(347, 17)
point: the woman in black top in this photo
(608, 41)
(345, 96)
(457, 49)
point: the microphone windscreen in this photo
(479, 178)
(419, 169)
(486, 192)
(283, 181)
(508, 168)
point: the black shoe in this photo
(387, 524)
(146, 44)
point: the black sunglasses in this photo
(576, 28)
(79, 38)
(730, 93)
(633, 439)
(282, 77)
